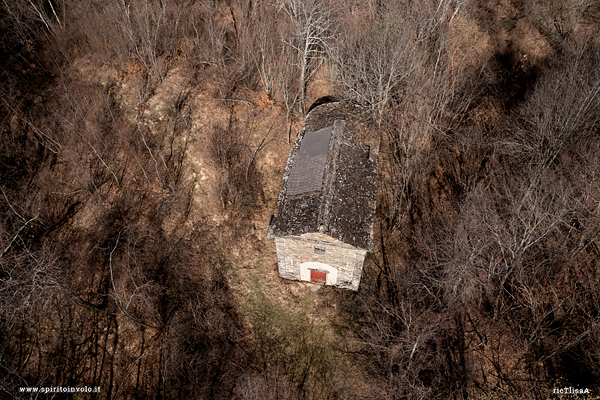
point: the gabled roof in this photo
(330, 180)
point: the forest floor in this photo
(253, 275)
(242, 238)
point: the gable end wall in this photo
(346, 259)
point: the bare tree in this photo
(152, 30)
(267, 54)
(374, 59)
(311, 27)
(288, 86)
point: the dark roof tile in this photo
(330, 180)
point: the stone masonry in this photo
(346, 259)
(325, 214)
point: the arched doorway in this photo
(315, 270)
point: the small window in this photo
(319, 249)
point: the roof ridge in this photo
(330, 174)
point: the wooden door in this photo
(318, 276)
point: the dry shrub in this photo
(237, 176)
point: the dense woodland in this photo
(485, 280)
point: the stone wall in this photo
(295, 250)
